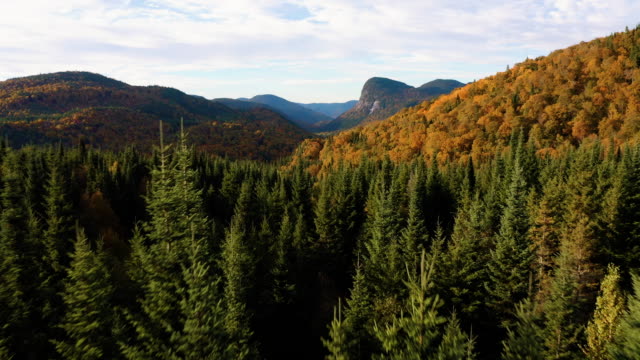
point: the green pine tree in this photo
(525, 340)
(455, 344)
(337, 344)
(87, 319)
(627, 340)
(416, 333)
(606, 318)
(511, 261)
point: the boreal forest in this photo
(500, 221)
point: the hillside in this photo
(587, 91)
(332, 110)
(382, 97)
(298, 114)
(74, 106)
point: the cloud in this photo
(189, 44)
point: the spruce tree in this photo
(203, 335)
(337, 344)
(511, 260)
(455, 344)
(562, 331)
(87, 320)
(627, 340)
(606, 317)
(416, 333)
(358, 318)
(160, 256)
(463, 263)
(525, 339)
(14, 310)
(237, 267)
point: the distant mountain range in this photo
(70, 107)
(333, 110)
(382, 97)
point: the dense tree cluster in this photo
(182, 256)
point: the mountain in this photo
(74, 106)
(587, 92)
(332, 110)
(298, 114)
(382, 97)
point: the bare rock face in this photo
(381, 98)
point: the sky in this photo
(302, 50)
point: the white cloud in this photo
(158, 41)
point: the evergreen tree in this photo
(337, 344)
(627, 340)
(525, 340)
(237, 265)
(511, 261)
(203, 335)
(87, 320)
(414, 235)
(358, 318)
(626, 245)
(562, 330)
(606, 318)
(414, 335)
(463, 262)
(455, 344)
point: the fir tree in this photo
(627, 340)
(237, 265)
(358, 318)
(510, 264)
(337, 344)
(87, 319)
(525, 339)
(414, 335)
(455, 344)
(606, 318)
(203, 335)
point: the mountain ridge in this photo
(74, 106)
(382, 97)
(586, 92)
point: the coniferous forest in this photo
(501, 221)
(182, 256)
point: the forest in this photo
(181, 255)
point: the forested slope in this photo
(71, 107)
(590, 90)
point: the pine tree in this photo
(626, 246)
(511, 261)
(358, 318)
(337, 344)
(606, 318)
(160, 255)
(204, 335)
(525, 340)
(237, 265)
(414, 335)
(627, 340)
(545, 234)
(562, 329)
(455, 344)
(14, 311)
(87, 319)
(463, 262)
(414, 235)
